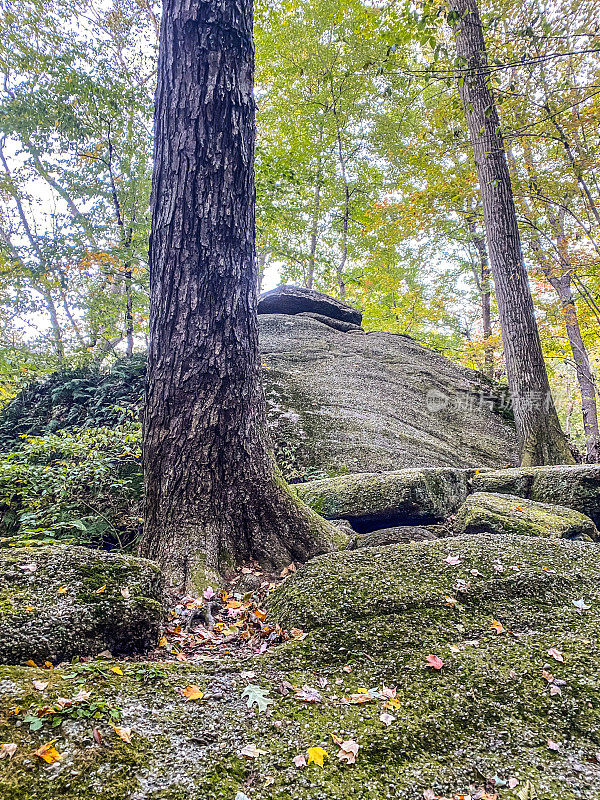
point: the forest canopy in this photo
(366, 183)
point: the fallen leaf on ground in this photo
(123, 733)
(298, 634)
(40, 685)
(116, 670)
(356, 699)
(553, 745)
(299, 761)
(126, 593)
(429, 794)
(8, 750)
(387, 719)
(450, 601)
(316, 755)
(580, 605)
(256, 696)
(252, 751)
(556, 654)
(309, 695)
(554, 690)
(97, 735)
(435, 662)
(48, 753)
(101, 590)
(31, 567)
(347, 668)
(348, 751)
(452, 561)
(498, 627)
(393, 702)
(192, 693)
(62, 590)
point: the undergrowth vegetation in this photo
(82, 486)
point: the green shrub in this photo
(83, 486)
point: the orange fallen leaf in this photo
(497, 626)
(297, 633)
(62, 590)
(48, 753)
(101, 590)
(192, 693)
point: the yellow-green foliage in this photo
(83, 485)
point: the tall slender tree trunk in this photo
(314, 231)
(213, 493)
(129, 310)
(541, 437)
(560, 276)
(485, 294)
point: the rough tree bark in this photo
(214, 495)
(542, 439)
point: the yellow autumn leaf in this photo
(62, 590)
(316, 755)
(48, 753)
(192, 693)
(162, 642)
(101, 589)
(393, 702)
(116, 670)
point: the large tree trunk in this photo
(541, 437)
(213, 493)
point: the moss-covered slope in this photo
(58, 602)
(503, 707)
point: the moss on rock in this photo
(58, 602)
(484, 512)
(372, 618)
(404, 496)
(576, 486)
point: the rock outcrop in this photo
(291, 300)
(60, 602)
(484, 512)
(377, 401)
(376, 500)
(576, 486)
(336, 401)
(463, 676)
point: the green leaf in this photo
(256, 696)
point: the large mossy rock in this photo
(576, 486)
(59, 602)
(371, 618)
(376, 500)
(484, 512)
(336, 402)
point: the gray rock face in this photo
(296, 299)
(370, 501)
(377, 401)
(576, 486)
(483, 512)
(60, 602)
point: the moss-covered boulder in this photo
(60, 602)
(372, 500)
(576, 486)
(484, 512)
(513, 711)
(401, 534)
